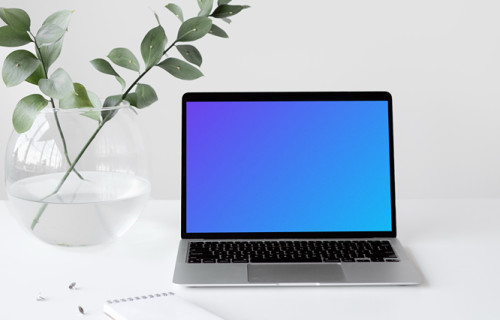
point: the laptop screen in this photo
(310, 163)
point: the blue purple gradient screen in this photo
(275, 166)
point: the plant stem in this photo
(166, 50)
(38, 215)
(46, 74)
(44, 206)
(101, 124)
(125, 94)
(65, 148)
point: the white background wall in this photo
(439, 59)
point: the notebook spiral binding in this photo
(149, 296)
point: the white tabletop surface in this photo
(455, 243)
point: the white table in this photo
(456, 243)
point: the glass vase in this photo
(77, 178)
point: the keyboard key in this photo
(239, 261)
(208, 260)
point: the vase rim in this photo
(122, 105)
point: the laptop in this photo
(291, 189)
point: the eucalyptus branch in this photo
(20, 65)
(59, 128)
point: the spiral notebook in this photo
(158, 306)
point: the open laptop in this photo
(289, 188)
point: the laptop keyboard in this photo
(291, 251)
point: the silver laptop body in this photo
(312, 170)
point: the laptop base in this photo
(403, 272)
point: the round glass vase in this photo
(78, 177)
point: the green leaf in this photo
(9, 37)
(194, 29)
(51, 52)
(58, 86)
(106, 68)
(122, 82)
(226, 20)
(18, 66)
(38, 74)
(221, 2)
(216, 31)
(26, 111)
(190, 53)
(49, 33)
(124, 58)
(78, 99)
(2, 15)
(56, 24)
(132, 99)
(95, 115)
(153, 45)
(16, 18)
(96, 102)
(175, 9)
(227, 10)
(146, 95)
(111, 101)
(157, 18)
(180, 69)
(206, 8)
(60, 19)
(92, 114)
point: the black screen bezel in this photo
(287, 96)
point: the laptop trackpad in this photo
(295, 273)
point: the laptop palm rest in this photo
(295, 273)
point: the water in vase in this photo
(99, 208)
